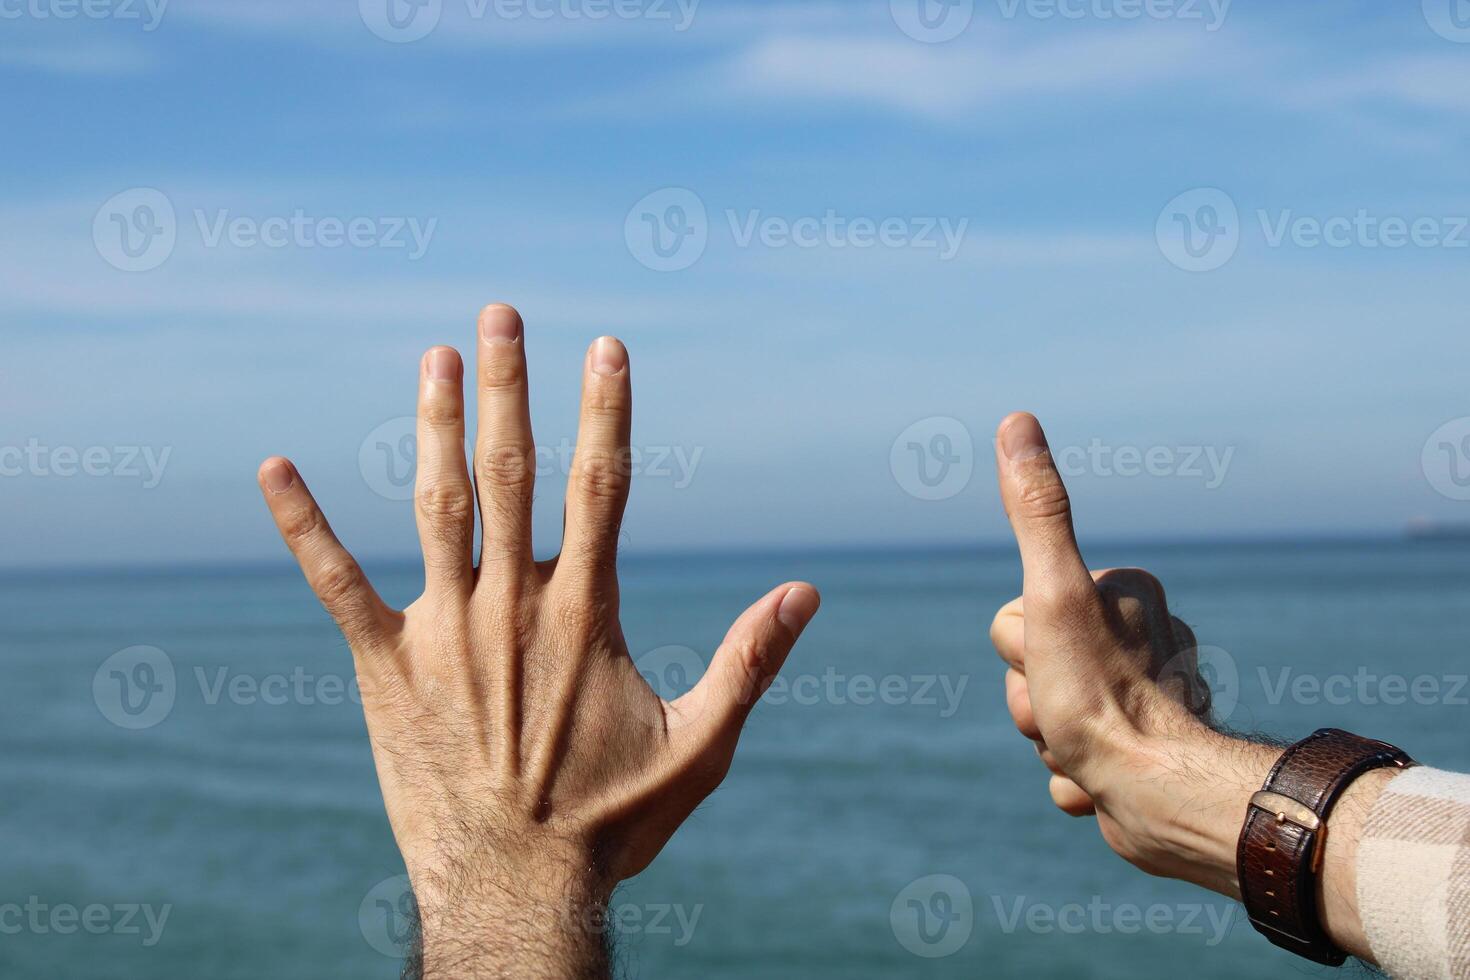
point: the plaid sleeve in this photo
(1414, 876)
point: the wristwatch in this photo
(1280, 853)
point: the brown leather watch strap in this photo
(1280, 851)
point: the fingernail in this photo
(1023, 438)
(279, 476)
(798, 607)
(443, 365)
(499, 324)
(608, 356)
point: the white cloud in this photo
(1436, 82)
(982, 71)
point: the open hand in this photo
(526, 766)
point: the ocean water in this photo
(882, 818)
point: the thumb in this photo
(1036, 501)
(750, 656)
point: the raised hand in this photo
(525, 765)
(1102, 678)
(1105, 682)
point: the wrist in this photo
(509, 911)
(1190, 798)
(1183, 801)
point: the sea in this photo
(186, 790)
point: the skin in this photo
(526, 766)
(1104, 681)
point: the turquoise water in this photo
(250, 814)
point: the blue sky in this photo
(792, 367)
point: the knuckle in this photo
(1132, 581)
(441, 413)
(1135, 592)
(505, 468)
(580, 619)
(1044, 499)
(603, 402)
(446, 502)
(602, 476)
(589, 565)
(302, 525)
(1065, 600)
(338, 581)
(997, 630)
(504, 373)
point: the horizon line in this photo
(828, 550)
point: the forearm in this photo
(1193, 798)
(549, 922)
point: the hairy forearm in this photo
(1194, 800)
(547, 920)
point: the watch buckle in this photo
(1293, 811)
